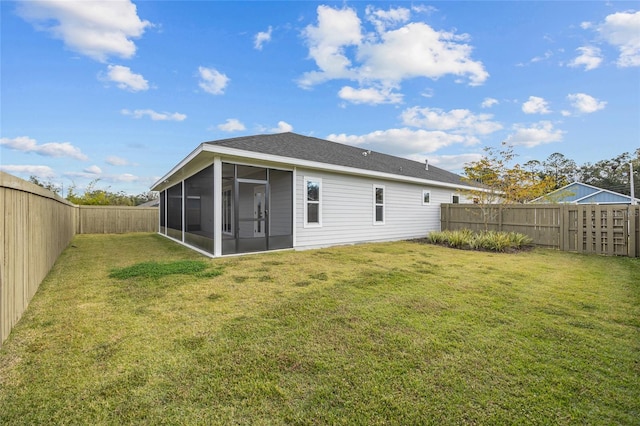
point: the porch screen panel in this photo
(174, 211)
(199, 230)
(280, 209)
(228, 208)
(163, 219)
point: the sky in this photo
(122, 91)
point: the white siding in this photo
(347, 210)
(280, 204)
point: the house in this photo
(279, 191)
(582, 193)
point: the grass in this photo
(392, 333)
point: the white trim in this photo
(376, 204)
(187, 159)
(453, 197)
(596, 191)
(294, 211)
(184, 210)
(217, 206)
(305, 222)
(424, 192)
(292, 162)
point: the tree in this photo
(612, 174)
(496, 181)
(560, 169)
(48, 185)
(104, 197)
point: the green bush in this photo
(488, 240)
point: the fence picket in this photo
(36, 226)
(601, 229)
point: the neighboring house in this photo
(151, 203)
(581, 193)
(278, 191)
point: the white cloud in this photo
(369, 96)
(386, 57)
(44, 172)
(212, 81)
(262, 38)
(535, 105)
(590, 58)
(447, 162)
(124, 177)
(117, 178)
(459, 121)
(336, 30)
(489, 102)
(93, 170)
(117, 161)
(402, 141)
(155, 116)
(97, 29)
(283, 127)
(382, 19)
(584, 103)
(622, 30)
(586, 25)
(539, 133)
(232, 125)
(126, 79)
(548, 54)
(52, 149)
(417, 50)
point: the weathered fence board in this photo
(36, 226)
(602, 229)
(116, 219)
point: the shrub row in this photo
(487, 240)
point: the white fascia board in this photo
(233, 152)
(180, 165)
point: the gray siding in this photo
(348, 210)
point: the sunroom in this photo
(229, 208)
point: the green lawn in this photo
(393, 333)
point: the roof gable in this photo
(582, 193)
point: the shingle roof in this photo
(293, 145)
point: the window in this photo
(313, 202)
(378, 205)
(455, 199)
(426, 197)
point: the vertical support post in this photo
(217, 207)
(632, 241)
(184, 209)
(631, 184)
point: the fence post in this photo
(561, 227)
(631, 240)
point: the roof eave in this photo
(165, 181)
(241, 153)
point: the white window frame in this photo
(426, 192)
(453, 198)
(306, 202)
(376, 204)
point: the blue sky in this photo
(122, 91)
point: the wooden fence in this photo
(612, 229)
(36, 226)
(116, 219)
